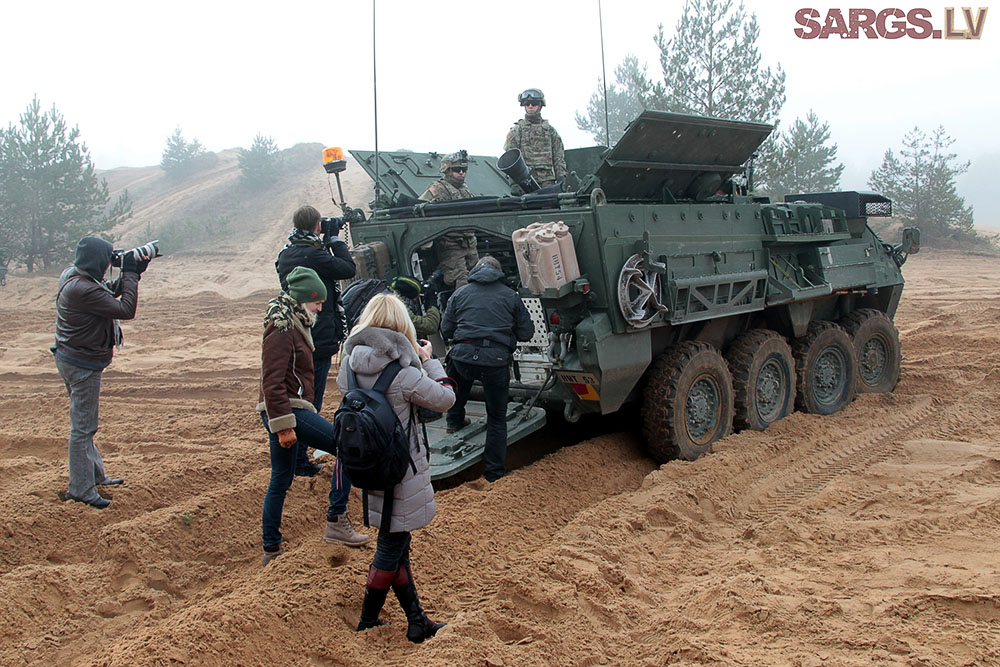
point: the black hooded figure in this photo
(87, 331)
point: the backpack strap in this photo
(389, 374)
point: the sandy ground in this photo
(866, 537)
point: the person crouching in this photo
(383, 334)
(286, 395)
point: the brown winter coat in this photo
(286, 370)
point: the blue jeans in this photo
(86, 467)
(311, 431)
(392, 551)
(496, 388)
(321, 369)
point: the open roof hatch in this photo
(688, 156)
(410, 173)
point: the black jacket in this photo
(87, 307)
(485, 319)
(330, 326)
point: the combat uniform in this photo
(456, 251)
(541, 147)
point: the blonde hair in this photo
(386, 311)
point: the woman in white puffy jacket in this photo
(383, 334)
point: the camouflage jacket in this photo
(542, 149)
(442, 190)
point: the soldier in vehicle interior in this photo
(456, 251)
(409, 292)
(539, 143)
(485, 320)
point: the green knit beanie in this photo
(304, 285)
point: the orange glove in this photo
(287, 438)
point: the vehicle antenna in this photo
(604, 75)
(378, 185)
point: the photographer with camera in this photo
(87, 313)
(313, 244)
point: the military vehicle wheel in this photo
(877, 349)
(763, 379)
(688, 402)
(826, 368)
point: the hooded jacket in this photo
(485, 319)
(309, 251)
(369, 351)
(87, 307)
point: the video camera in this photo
(429, 288)
(144, 252)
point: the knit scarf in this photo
(302, 237)
(283, 310)
(533, 118)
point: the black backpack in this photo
(357, 295)
(372, 446)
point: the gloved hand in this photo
(132, 265)
(287, 438)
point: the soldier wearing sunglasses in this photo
(456, 251)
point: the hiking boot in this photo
(341, 530)
(451, 428)
(100, 502)
(270, 555)
(111, 481)
(308, 470)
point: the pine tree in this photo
(802, 161)
(180, 158)
(50, 194)
(921, 184)
(711, 67)
(259, 164)
(626, 99)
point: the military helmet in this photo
(531, 96)
(456, 159)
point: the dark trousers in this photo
(321, 369)
(392, 551)
(496, 388)
(311, 431)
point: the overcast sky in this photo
(128, 73)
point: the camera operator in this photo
(87, 331)
(413, 295)
(313, 244)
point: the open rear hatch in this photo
(452, 453)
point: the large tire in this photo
(877, 350)
(688, 402)
(826, 369)
(763, 379)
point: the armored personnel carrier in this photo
(710, 308)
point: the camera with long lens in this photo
(143, 252)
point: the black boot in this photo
(376, 591)
(419, 626)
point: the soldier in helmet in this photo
(456, 251)
(539, 143)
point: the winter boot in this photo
(270, 554)
(419, 626)
(341, 530)
(376, 590)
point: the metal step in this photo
(452, 453)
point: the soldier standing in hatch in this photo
(456, 251)
(539, 143)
